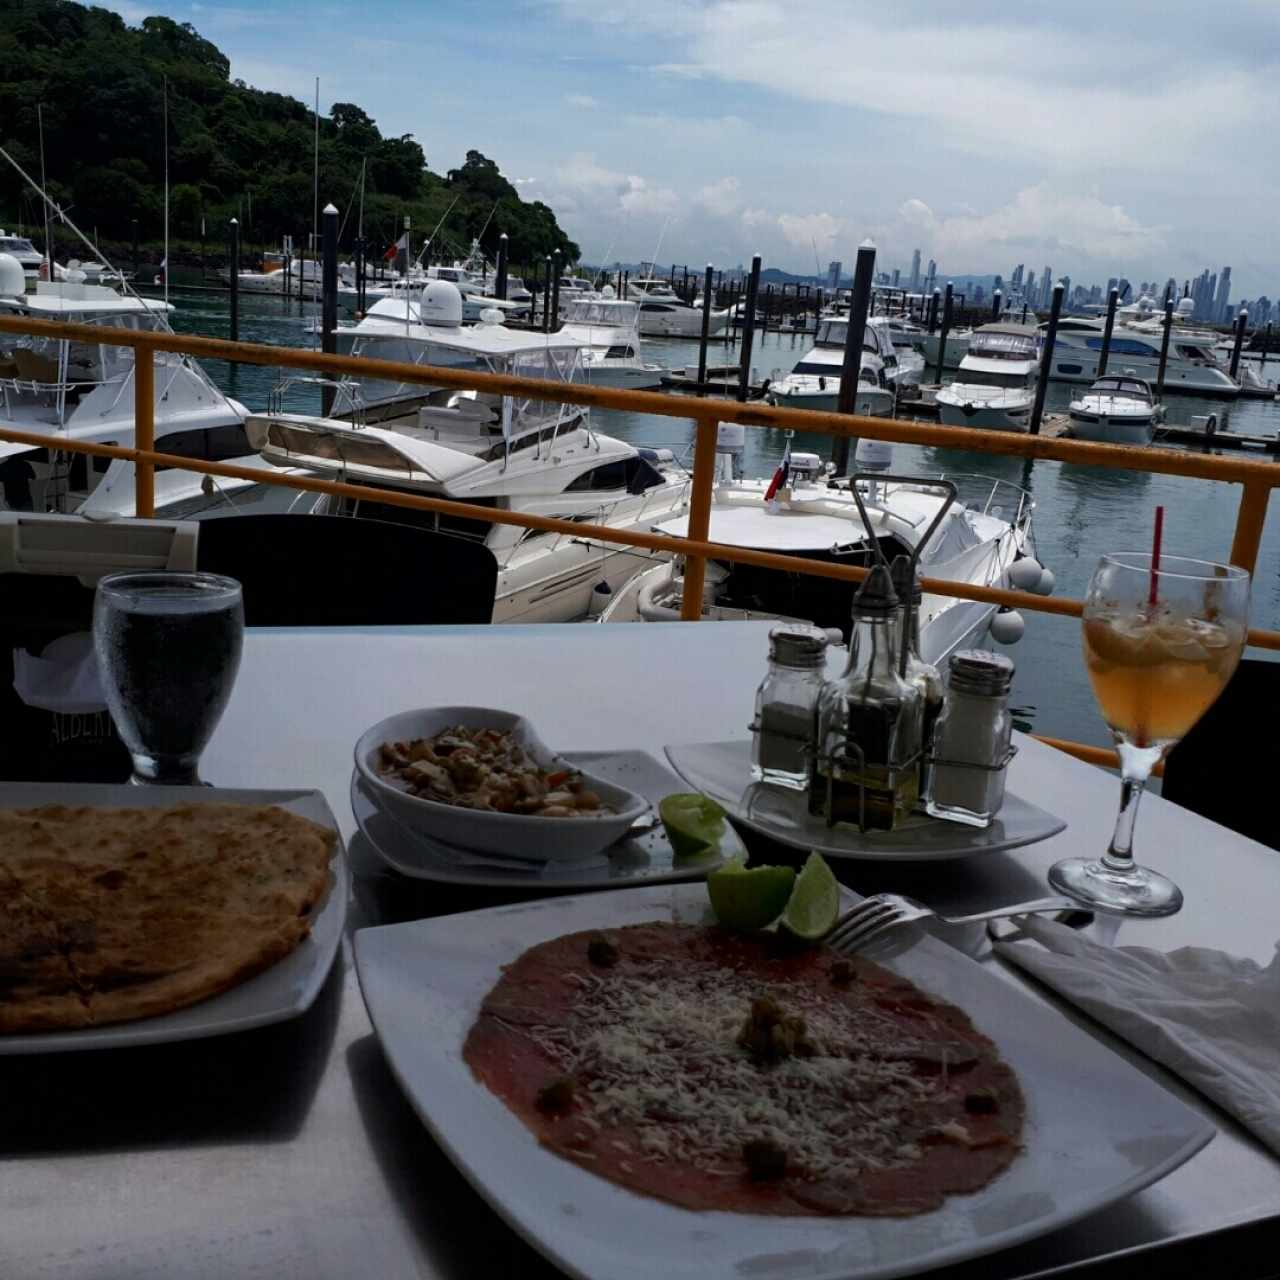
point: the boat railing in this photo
(1256, 478)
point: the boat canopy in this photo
(603, 311)
(1122, 385)
(1004, 342)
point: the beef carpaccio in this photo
(741, 1072)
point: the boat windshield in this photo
(1122, 387)
(835, 333)
(990, 378)
(614, 314)
(16, 244)
(1002, 346)
(555, 364)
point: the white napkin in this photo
(64, 678)
(1211, 1018)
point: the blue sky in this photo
(1098, 138)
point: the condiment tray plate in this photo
(722, 770)
(645, 857)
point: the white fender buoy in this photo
(1025, 573)
(1046, 584)
(1007, 626)
(601, 598)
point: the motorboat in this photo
(533, 456)
(956, 349)
(664, 315)
(996, 385)
(1192, 367)
(814, 381)
(906, 370)
(24, 252)
(280, 274)
(1117, 409)
(813, 516)
(608, 330)
(84, 391)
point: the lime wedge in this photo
(694, 824)
(749, 898)
(814, 906)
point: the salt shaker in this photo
(785, 704)
(971, 740)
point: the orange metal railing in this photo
(1256, 478)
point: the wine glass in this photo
(1160, 647)
(168, 647)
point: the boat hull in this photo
(990, 417)
(1111, 429)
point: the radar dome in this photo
(608, 292)
(492, 315)
(441, 305)
(13, 282)
(1184, 308)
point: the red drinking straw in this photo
(1155, 557)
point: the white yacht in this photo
(303, 273)
(474, 301)
(814, 517)
(1192, 367)
(996, 385)
(85, 391)
(608, 330)
(1117, 409)
(906, 370)
(27, 255)
(956, 350)
(814, 382)
(524, 455)
(664, 315)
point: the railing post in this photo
(1250, 518)
(704, 467)
(748, 329)
(944, 332)
(1164, 348)
(500, 270)
(1242, 321)
(144, 429)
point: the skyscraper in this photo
(1066, 290)
(915, 269)
(1029, 288)
(1046, 286)
(1222, 298)
(932, 277)
(897, 275)
(833, 274)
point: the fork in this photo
(877, 915)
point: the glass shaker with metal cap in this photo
(867, 751)
(913, 667)
(971, 750)
(786, 700)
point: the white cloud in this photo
(721, 197)
(583, 100)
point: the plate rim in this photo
(1054, 825)
(477, 877)
(1201, 1129)
(141, 1032)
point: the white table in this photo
(290, 1152)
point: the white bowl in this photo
(516, 834)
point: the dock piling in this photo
(943, 332)
(748, 330)
(934, 306)
(1164, 346)
(233, 277)
(996, 298)
(706, 332)
(1113, 301)
(546, 297)
(328, 295)
(864, 272)
(1046, 358)
(1242, 321)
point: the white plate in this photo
(1097, 1128)
(510, 834)
(284, 991)
(722, 770)
(645, 858)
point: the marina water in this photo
(1081, 512)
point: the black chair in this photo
(336, 571)
(1223, 769)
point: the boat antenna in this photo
(48, 239)
(357, 190)
(658, 247)
(435, 231)
(604, 262)
(166, 190)
(315, 176)
(489, 219)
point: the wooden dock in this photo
(1216, 439)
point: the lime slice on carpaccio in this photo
(694, 824)
(749, 897)
(814, 906)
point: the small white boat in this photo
(995, 387)
(609, 330)
(663, 315)
(814, 382)
(1117, 409)
(27, 255)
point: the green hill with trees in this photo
(234, 151)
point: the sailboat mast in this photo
(44, 191)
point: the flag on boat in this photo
(400, 246)
(780, 476)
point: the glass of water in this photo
(168, 647)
